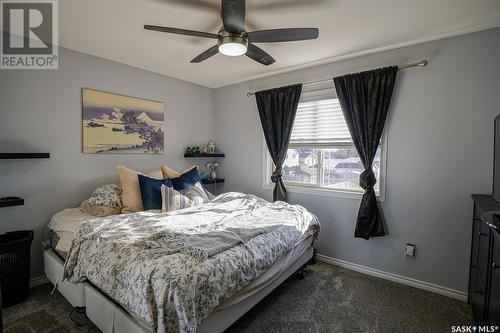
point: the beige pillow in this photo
(98, 210)
(131, 196)
(168, 172)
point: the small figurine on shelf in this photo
(211, 147)
(188, 150)
(204, 150)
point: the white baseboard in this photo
(457, 294)
(38, 281)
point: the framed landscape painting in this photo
(120, 124)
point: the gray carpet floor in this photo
(328, 299)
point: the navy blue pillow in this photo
(184, 182)
(151, 191)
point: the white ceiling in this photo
(113, 29)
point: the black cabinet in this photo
(494, 288)
(484, 276)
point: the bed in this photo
(194, 270)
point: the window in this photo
(321, 155)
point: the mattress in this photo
(67, 221)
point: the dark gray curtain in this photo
(277, 109)
(364, 99)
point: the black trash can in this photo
(15, 251)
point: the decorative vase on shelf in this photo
(211, 147)
(211, 169)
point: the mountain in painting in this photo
(145, 118)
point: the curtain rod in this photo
(422, 63)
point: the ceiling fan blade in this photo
(233, 15)
(259, 55)
(283, 35)
(207, 54)
(180, 31)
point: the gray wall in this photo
(440, 150)
(40, 111)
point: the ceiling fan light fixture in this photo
(233, 39)
(233, 45)
(232, 49)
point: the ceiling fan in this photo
(234, 40)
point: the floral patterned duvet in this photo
(172, 269)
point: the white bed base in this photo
(111, 318)
(54, 268)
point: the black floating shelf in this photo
(205, 155)
(11, 202)
(213, 181)
(12, 156)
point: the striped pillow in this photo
(198, 194)
(174, 200)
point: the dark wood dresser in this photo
(484, 275)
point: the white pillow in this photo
(174, 200)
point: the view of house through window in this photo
(332, 168)
(321, 153)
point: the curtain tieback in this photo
(367, 179)
(277, 174)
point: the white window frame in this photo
(317, 189)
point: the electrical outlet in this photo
(410, 250)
